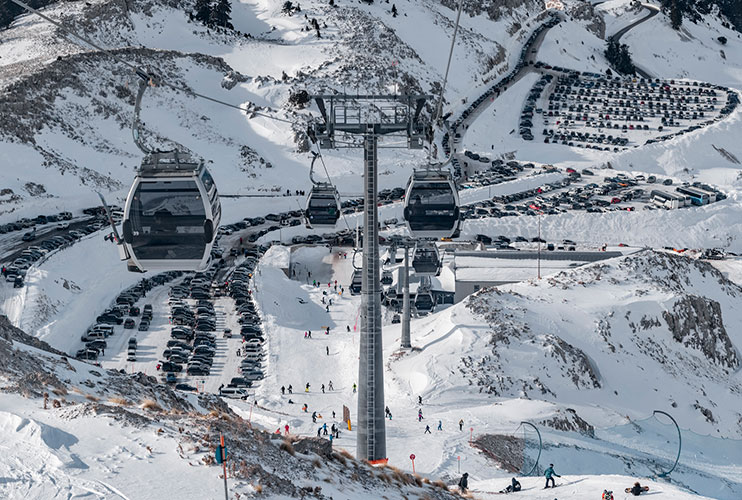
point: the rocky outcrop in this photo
(569, 421)
(585, 11)
(696, 322)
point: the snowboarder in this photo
(306, 389)
(637, 489)
(549, 473)
(329, 386)
(283, 390)
(323, 388)
(464, 482)
(427, 429)
(461, 424)
(440, 425)
(291, 389)
(512, 487)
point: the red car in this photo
(615, 200)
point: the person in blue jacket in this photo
(549, 473)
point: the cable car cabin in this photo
(356, 282)
(431, 205)
(172, 214)
(424, 302)
(323, 206)
(425, 259)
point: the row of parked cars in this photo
(15, 272)
(122, 312)
(26, 223)
(251, 366)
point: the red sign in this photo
(412, 457)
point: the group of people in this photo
(515, 486)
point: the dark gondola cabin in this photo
(172, 214)
(431, 205)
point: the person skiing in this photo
(287, 429)
(324, 428)
(464, 482)
(319, 432)
(333, 414)
(314, 417)
(549, 473)
(387, 411)
(419, 415)
(427, 429)
(309, 334)
(420, 400)
(291, 389)
(306, 389)
(283, 390)
(329, 386)
(347, 328)
(304, 408)
(461, 424)
(440, 425)
(354, 388)
(323, 388)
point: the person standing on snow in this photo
(287, 429)
(464, 482)
(329, 386)
(354, 388)
(291, 389)
(419, 415)
(427, 429)
(549, 473)
(323, 388)
(327, 349)
(324, 428)
(461, 424)
(314, 417)
(440, 425)
(283, 390)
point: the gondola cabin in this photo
(426, 260)
(172, 214)
(431, 205)
(323, 206)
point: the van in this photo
(233, 392)
(92, 336)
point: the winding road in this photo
(653, 11)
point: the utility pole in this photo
(539, 245)
(370, 116)
(406, 342)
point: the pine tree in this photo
(203, 10)
(220, 14)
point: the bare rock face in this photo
(506, 451)
(585, 11)
(321, 447)
(569, 421)
(696, 322)
(494, 9)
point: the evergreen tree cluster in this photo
(695, 10)
(214, 13)
(619, 57)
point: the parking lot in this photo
(588, 110)
(27, 241)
